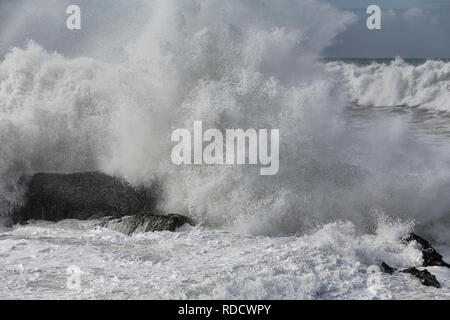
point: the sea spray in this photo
(230, 64)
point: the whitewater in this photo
(348, 189)
(398, 83)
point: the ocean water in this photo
(364, 158)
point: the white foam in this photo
(398, 83)
(197, 263)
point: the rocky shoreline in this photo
(119, 206)
(431, 258)
(93, 195)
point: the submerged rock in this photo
(424, 276)
(431, 257)
(145, 223)
(387, 269)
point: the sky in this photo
(392, 4)
(409, 28)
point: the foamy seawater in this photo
(357, 141)
(197, 263)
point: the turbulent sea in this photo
(364, 159)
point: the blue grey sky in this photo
(410, 29)
(392, 4)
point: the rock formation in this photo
(430, 258)
(93, 195)
(424, 276)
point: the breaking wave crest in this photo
(398, 83)
(230, 64)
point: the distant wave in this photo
(398, 83)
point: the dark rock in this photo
(430, 256)
(424, 276)
(387, 269)
(54, 197)
(145, 223)
(94, 195)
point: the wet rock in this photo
(424, 276)
(145, 223)
(54, 197)
(430, 256)
(387, 269)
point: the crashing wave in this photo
(398, 83)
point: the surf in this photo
(232, 65)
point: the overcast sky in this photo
(392, 4)
(410, 28)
